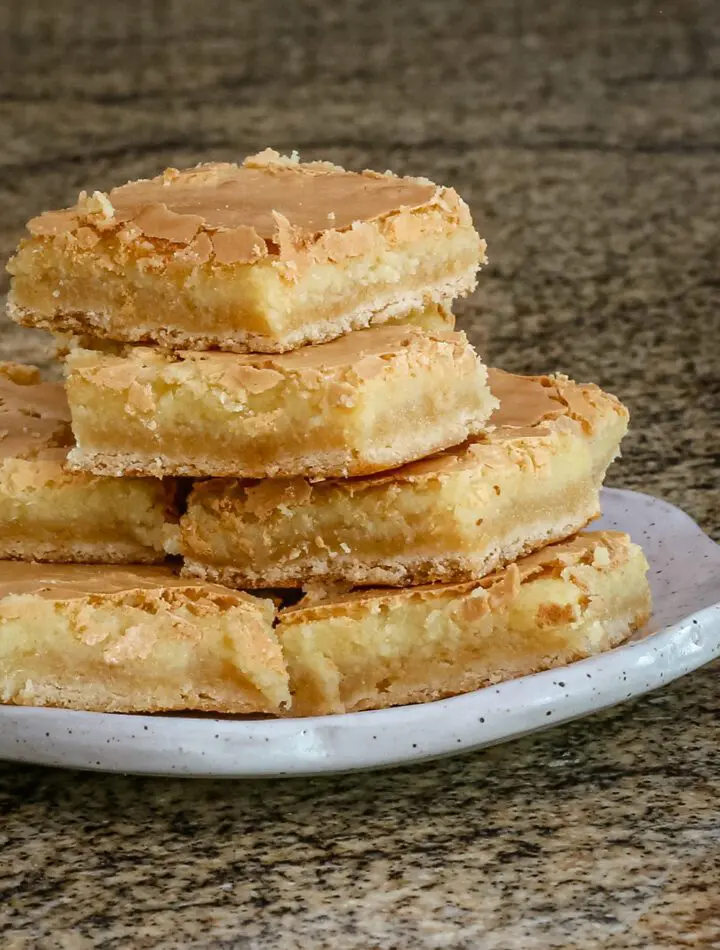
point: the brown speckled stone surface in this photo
(586, 137)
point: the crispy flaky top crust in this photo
(73, 581)
(270, 207)
(605, 550)
(348, 360)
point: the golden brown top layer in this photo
(362, 355)
(72, 581)
(359, 351)
(269, 205)
(34, 416)
(528, 401)
(604, 550)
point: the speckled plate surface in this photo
(684, 633)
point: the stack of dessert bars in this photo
(266, 399)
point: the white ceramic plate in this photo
(684, 634)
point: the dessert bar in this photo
(378, 648)
(367, 401)
(265, 256)
(535, 478)
(134, 640)
(49, 514)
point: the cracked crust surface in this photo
(135, 640)
(266, 256)
(365, 402)
(142, 640)
(377, 648)
(50, 514)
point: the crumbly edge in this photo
(18, 543)
(617, 621)
(412, 566)
(79, 553)
(157, 605)
(93, 699)
(243, 342)
(401, 571)
(617, 631)
(319, 465)
(546, 559)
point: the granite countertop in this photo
(586, 138)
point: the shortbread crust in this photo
(535, 478)
(265, 256)
(380, 648)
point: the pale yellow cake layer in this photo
(365, 402)
(49, 514)
(383, 648)
(134, 640)
(534, 479)
(265, 256)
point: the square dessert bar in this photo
(367, 401)
(265, 256)
(47, 513)
(379, 648)
(134, 640)
(533, 479)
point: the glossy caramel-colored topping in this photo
(354, 351)
(34, 416)
(71, 581)
(360, 355)
(526, 401)
(269, 205)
